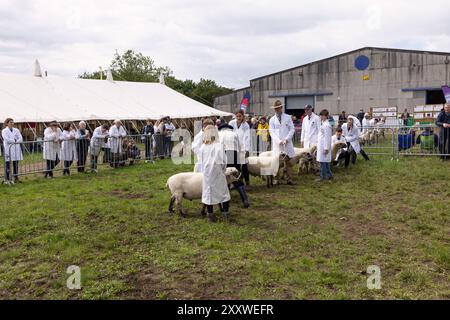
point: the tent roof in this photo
(43, 99)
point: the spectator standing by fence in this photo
(52, 147)
(342, 118)
(148, 133)
(82, 145)
(68, 147)
(116, 134)
(262, 133)
(168, 144)
(12, 150)
(443, 122)
(97, 144)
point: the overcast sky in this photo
(228, 41)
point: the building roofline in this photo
(235, 90)
(350, 52)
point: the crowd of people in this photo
(69, 143)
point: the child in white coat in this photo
(324, 147)
(213, 160)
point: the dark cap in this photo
(308, 106)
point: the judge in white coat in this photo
(351, 133)
(197, 143)
(13, 152)
(341, 154)
(310, 128)
(116, 135)
(282, 130)
(324, 147)
(52, 147)
(215, 187)
(68, 147)
(99, 136)
(241, 127)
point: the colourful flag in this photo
(446, 91)
(245, 101)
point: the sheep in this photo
(189, 185)
(303, 157)
(266, 167)
(335, 149)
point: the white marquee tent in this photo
(29, 99)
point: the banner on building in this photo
(245, 101)
(446, 91)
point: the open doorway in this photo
(435, 97)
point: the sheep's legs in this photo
(172, 201)
(179, 207)
(203, 211)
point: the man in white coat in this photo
(116, 135)
(68, 147)
(282, 130)
(52, 147)
(310, 128)
(324, 147)
(13, 152)
(241, 127)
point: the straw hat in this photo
(277, 104)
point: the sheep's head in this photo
(232, 175)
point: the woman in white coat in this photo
(52, 147)
(116, 135)
(215, 187)
(97, 144)
(324, 147)
(68, 147)
(241, 127)
(351, 131)
(13, 152)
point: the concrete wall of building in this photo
(230, 102)
(389, 72)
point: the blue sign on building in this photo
(362, 62)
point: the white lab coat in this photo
(52, 144)
(243, 133)
(282, 131)
(310, 131)
(335, 140)
(367, 125)
(215, 187)
(196, 145)
(13, 152)
(352, 136)
(116, 136)
(68, 147)
(97, 141)
(324, 142)
(230, 140)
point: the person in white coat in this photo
(197, 143)
(116, 135)
(351, 132)
(68, 147)
(215, 188)
(310, 128)
(52, 147)
(282, 130)
(241, 127)
(324, 147)
(99, 136)
(231, 143)
(12, 149)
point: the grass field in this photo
(307, 241)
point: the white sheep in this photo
(266, 167)
(188, 185)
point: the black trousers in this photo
(67, 165)
(15, 165)
(51, 164)
(148, 147)
(82, 151)
(225, 207)
(246, 173)
(233, 162)
(345, 155)
(94, 161)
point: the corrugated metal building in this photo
(363, 78)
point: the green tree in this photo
(134, 66)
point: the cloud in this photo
(230, 42)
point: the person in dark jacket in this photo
(360, 115)
(83, 137)
(148, 132)
(443, 122)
